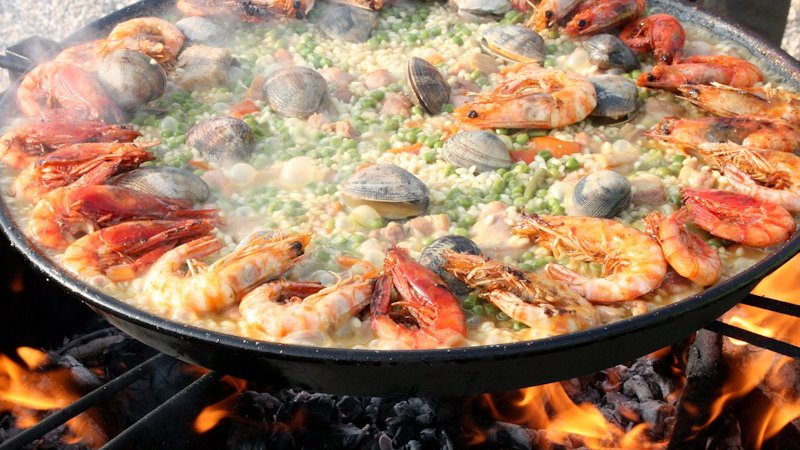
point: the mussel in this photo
(295, 91)
(513, 43)
(222, 140)
(482, 149)
(426, 85)
(432, 258)
(200, 30)
(616, 96)
(607, 51)
(599, 194)
(349, 24)
(164, 181)
(131, 78)
(392, 191)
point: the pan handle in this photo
(25, 54)
(14, 63)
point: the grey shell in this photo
(482, 149)
(482, 7)
(432, 258)
(393, 191)
(222, 140)
(513, 43)
(200, 30)
(164, 181)
(348, 24)
(131, 78)
(295, 91)
(607, 52)
(426, 85)
(599, 194)
(616, 96)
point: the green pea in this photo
(549, 62)
(375, 223)
(449, 170)
(675, 168)
(373, 44)
(336, 141)
(470, 301)
(545, 154)
(498, 186)
(478, 310)
(417, 111)
(572, 164)
(558, 210)
(550, 48)
(635, 73)
(368, 102)
(457, 40)
(521, 138)
(447, 108)
(394, 87)
(541, 193)
(554, 172)
(475, 74)
(521, 168)
(464, 202)
(326, 62)
(663, 172)
(678, 158)
(461, 232)
(482, 81)
(377, 95)
(518, 326)
(430, 157)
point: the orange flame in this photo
(28, 391)
(211, 415)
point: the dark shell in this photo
(426, 85)
(131, 78)
(432, 258)
(607, 51)
(295, 91)
(200, 30)
(482, 149)
(222, 140)
(349, 24)
(616, 96)
(164, 181)
(599, 194)
(513, 43)
(392, 191)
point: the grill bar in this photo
(777, 306)
(82, 404)
(768, 343)
(183, 399)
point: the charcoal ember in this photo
(414, 445)
(401, 428)
(317, 408)
(350, 409)
(82, 376)
(511, 436)
(258, 407)
(379, 409)
(251, 439)
(656, 413)
(93, 350)
(637, 386)
(119, 357)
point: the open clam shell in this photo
(131, 78)
(392, 191)
(222, 140)
(513, 43)
(482, 149)
(295, 91)
(164, 181)
(426, 85)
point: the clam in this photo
(131, 78)
(599, 194)
(513, 43)
(393, 192)
(200, 30)
(163, 181)
(295, 91)
(426, 85)
(432, 258)
(349, 24)
(607, 51)
(482, 149)
(616, 96)
(479, 9)
(222, 140)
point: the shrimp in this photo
(549, 307)
(758, 132)
(67, 164)
(686, 252)
(439, 319)
(702, 70)
(767, 175)
(201, 290)
(24, 145)
(370, 5)
(123, 252)
(320, 313)
(633, 263)
(66, 213)
(58, 91)
(730, 101)
(594, 17)
(86, 55)
(532, 97)
(296, 9)
(549, 12)
(660, 33)
(152, 36)
(738, 217)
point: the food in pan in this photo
(404, 176)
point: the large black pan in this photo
(457, 371)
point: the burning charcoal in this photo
(349, 435)
(350, 408)
(94, 348)
(414, 445)
(637, 386)
(655, 413)
(427, 434)
(82, 376)
(510, 436)
(320, 408)
(403, 408)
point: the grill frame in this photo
(446, 372)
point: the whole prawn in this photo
(732, 101)
(549, 12)
(67, 164)
(548, 306)
(729, 70)
(633, 263)
(662, 34)
(58, 91)
(439, 319)
(23, 145)
(304, 311)
(222, 284)
(125, 251)
(152, 36)
(738, 217)
(750, 131)
(597, 16)
(531, 97)
(689, 255)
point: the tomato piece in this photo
(556, 147)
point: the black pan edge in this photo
(458, 371)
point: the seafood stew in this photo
(447, 171)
